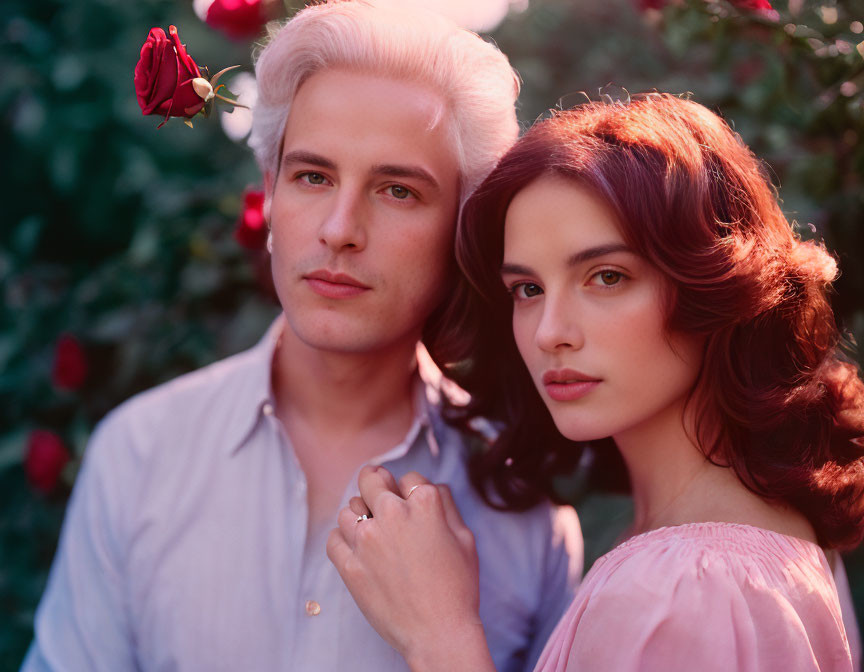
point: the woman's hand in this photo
(412, 569)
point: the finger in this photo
(373, 483)
(358, 506)
(451, 511)
(410, 482)
(347, 521)
(389, 480)
(338, 550)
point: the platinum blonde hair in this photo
(383, 38)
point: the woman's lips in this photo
(568, 384)
(570, 391)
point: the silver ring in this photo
(413, 488)
(363, 517)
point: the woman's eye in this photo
(313, 178)
(399, 192)
(609, 278)
(526, 290)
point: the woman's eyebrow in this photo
(594, 252)
(573, 260)
(515, 269)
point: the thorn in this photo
(215, 78)
(232, 102)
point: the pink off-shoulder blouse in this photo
(704, 597)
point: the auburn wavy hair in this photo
(777, 399)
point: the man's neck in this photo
(340, 410)
(348, 392)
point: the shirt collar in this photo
(254, 398)
(255, 391)
(422, 426)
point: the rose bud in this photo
(203, 88)
(70, 363)
(45, 459)
(238, 19)
(163, 77)
(251, 229)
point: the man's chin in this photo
(343, 336)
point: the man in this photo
(195, 538)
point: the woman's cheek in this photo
(523, 334)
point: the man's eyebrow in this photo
(302, 156)
(415, 172)
(573, 259)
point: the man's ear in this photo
(268, 196)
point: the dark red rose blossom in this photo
(747, 5)
(753, 5)
(45, 459)
(251, 230)
(70, 363)
(163, 77)
(239, 19)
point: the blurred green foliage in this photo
(122, 235)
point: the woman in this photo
(658, 299)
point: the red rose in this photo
(753, 5)
(163, 77)
(747, 5)
(251, 230)
(70, 363)
(45, 459)
(239, 19)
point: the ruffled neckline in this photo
(737, 532)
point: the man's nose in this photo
(559, 326)
(344, 225)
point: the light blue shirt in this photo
(185, 543)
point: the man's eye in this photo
(399, 192)
(525, 290)
(313, 178)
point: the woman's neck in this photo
(674, 483)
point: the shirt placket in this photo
(300, 607)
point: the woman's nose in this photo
(559, 326)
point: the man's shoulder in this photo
(182, 409)
(197, 389)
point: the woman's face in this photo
(588, 315)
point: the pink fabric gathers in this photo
(704, 597)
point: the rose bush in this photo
(163, 77)
(45, 459)
(238, 19)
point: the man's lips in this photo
(335, 278)
(568, 384)
(334, 285)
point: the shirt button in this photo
(268, 409)
(312, 608)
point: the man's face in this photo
(363, 211)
